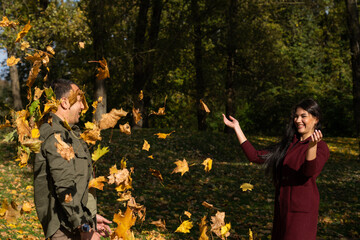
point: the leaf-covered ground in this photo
(339, 207)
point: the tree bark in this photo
(354, 35)
(15, 88)
(230, 66)
(200, 84)
(99, 35)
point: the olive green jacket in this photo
(55, 177)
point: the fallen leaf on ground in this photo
(185, 227)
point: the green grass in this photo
(339, 207)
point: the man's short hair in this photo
(61, 87)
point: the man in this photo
(64, 205)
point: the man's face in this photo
(75, 109)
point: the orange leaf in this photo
(136, 115)
(124, 222)
(125, 196)
(66, 151)
(23, 32)
(68, 198)
(5, 125)
(146, 146)
(141, 95)
(188, 214)
(34, 72)
(103, 70)
(50, 50)
(22, 125)
(163, 135)
(207, 205)
(109, 120)
(97, 183)
(182, 167)
(204, 107)
(157, 174)
(38, 93)
(24, 45)
(90, 136)
(81, 45)
(11, 61)
(125, 128)
(26, 207)
(159, 223)
(6, 23)
(160, 112)
(208, 164)
(203, 229)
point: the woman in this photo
(294, 163)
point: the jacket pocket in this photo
(302, 199)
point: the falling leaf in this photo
(35, 133)
(124, 196)
(22, 125)
(204, 107)
(203, 229)
(11, 61)
(141, 95)
(23, 32)
(159, 223)
(89, 125)
(91, 136)
(68, 198)
(182, 167)
(218, 222)
(246, 187)
(95, 104)
(160, 112)
(207, 205)
(125, 128)
(6, 23)
(208, 164)
(26, 207)
(103, 70)
(110, 119)
(24, 45)
(151, 157)
(99, 152)
(38, 93)
(66, 151)
(123, 164)
(225, 229)
(146, 146)
(81, 45)
(23, 158)
(139, 209)
(185, 227)
(136, 115)
(50, 50)
(97, 183)
(124, 222)
(188, 214)
(33, 143)
(5, 125)
(34, 72)
(251, 237)
(163, 135)
(157, 174)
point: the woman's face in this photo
(304, 123)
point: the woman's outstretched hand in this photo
(316, 137)
(232, 123)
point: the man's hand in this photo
(103, 226)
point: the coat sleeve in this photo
(251, 153)
(314, 167)
(64, 176)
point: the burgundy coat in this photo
(297, 198)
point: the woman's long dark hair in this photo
(276, 155)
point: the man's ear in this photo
(64, 103)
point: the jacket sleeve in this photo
(251, 153)
(314, 167)
(63, 175)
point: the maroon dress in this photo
(297, 198)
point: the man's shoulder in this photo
(46, 130)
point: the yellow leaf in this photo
(124, 196)
(35, 133)
(124, 222)
(89, 125)
(24, 45)
(99, 152)
(225, 229)
(160, 112)
(50, 50)
(188, 214)
(125, 128)
(159, 223)
(91, 136)
(95, 104)
(246, 187)
(141, 95)
(38, 93)
(146, 146)
(208, 164)
(109, 120)
(81, 45)
(26, 207)
(66, 151)
(29, 187)
(182, 167)
(33, 143)
(136, 115)
(6, 23)
(204, 107)
(203, 229)
(163, 135)
(11, 61)
(97, 183)
(68, 198)
(23, 32)
(113, 170)
(123, 164)
(151, 157)
(185, 227)
(250, 234)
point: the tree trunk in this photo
(200, 84)
(354, 35)
(99, 35)
(15, 88)
(230, 67)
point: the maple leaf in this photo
(22, 125)
(68, 198)
(208, 164)
(188, 214)
(204, 107)
(246, 187)
(139, 209)
(109, 120)
(66, 151)
(225, 230)
(125, 128)
(89, 125)
(163, 135)
(159, 223)
(11, 61)
(103, 70)
(90, 136)
(182, 167)
(38, 93)
(136, 115)
(97, 183)
(23, 32)
(157, 174)
(146, 146)
(99, 152)
(24, 45)
(218, 222)
(23, 157)
(203, 229)
(185, 227)
(124, 222)
(207, 205)
(124, 196)
(6, 23)
(26, 207)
